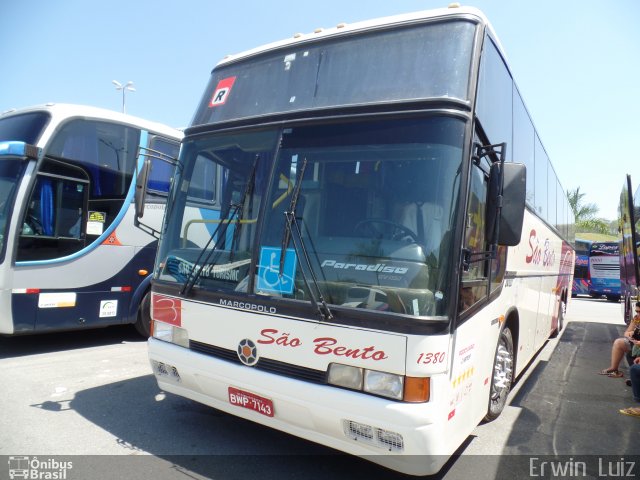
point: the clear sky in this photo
(576, 62)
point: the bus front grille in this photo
(264, 364)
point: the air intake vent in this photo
(358, 431)
(384, 439)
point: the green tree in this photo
(585, 213)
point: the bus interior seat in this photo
(429, 215)
(414, 203)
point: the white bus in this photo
(70, 256)
(376, 281)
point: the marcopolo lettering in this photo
(364, 267)
(247, 306)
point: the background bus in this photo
(70, 256)
(581, 275)
(604, 270)
(372, 297)
(629, 238)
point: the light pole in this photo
(127, 86)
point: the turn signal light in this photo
(417, 389)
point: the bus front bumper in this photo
(400, 436)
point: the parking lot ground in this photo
(91, 395)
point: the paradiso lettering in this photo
(540, 253)
(322, 346)
(378, 267)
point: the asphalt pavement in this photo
(562, 411)
(91, 395)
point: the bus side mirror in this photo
(142, 177)
(511, 214)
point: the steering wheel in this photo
(389, 230)
(35, 224)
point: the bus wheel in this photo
(502, 375)
(143, 323)
(562, 309)
(628, 310)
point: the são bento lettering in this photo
(321, 346)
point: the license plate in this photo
(251, 401)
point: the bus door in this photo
(52, 228)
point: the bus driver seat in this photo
(412, 208)
(425, 219)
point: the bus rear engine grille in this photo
(264, 364)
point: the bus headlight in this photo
(345, 376)
(377, 383)
(383, 384)
(170, 333)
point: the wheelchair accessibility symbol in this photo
(269, 278)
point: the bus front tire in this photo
(502, 375)
(143, 323)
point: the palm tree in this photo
(585, 214)
(580, 210)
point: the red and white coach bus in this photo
(392, 245)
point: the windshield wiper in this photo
(232, 211)
(248, 192)
(291, 226)
(192, 277)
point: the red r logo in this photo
(222, 91)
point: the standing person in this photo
(623, 345)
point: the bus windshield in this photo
(375, 209)
(11, 171)
(24, 128)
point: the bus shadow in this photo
(185, 436)
(23, 345)
(566, 409)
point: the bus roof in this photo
(453, 11)
(63, 111)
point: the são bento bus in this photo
(379, 264)
(70, 255)
(629, 228)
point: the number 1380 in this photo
(428, 358)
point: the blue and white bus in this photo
(70, 255)
(604, 270)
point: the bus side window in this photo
(53, 223)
